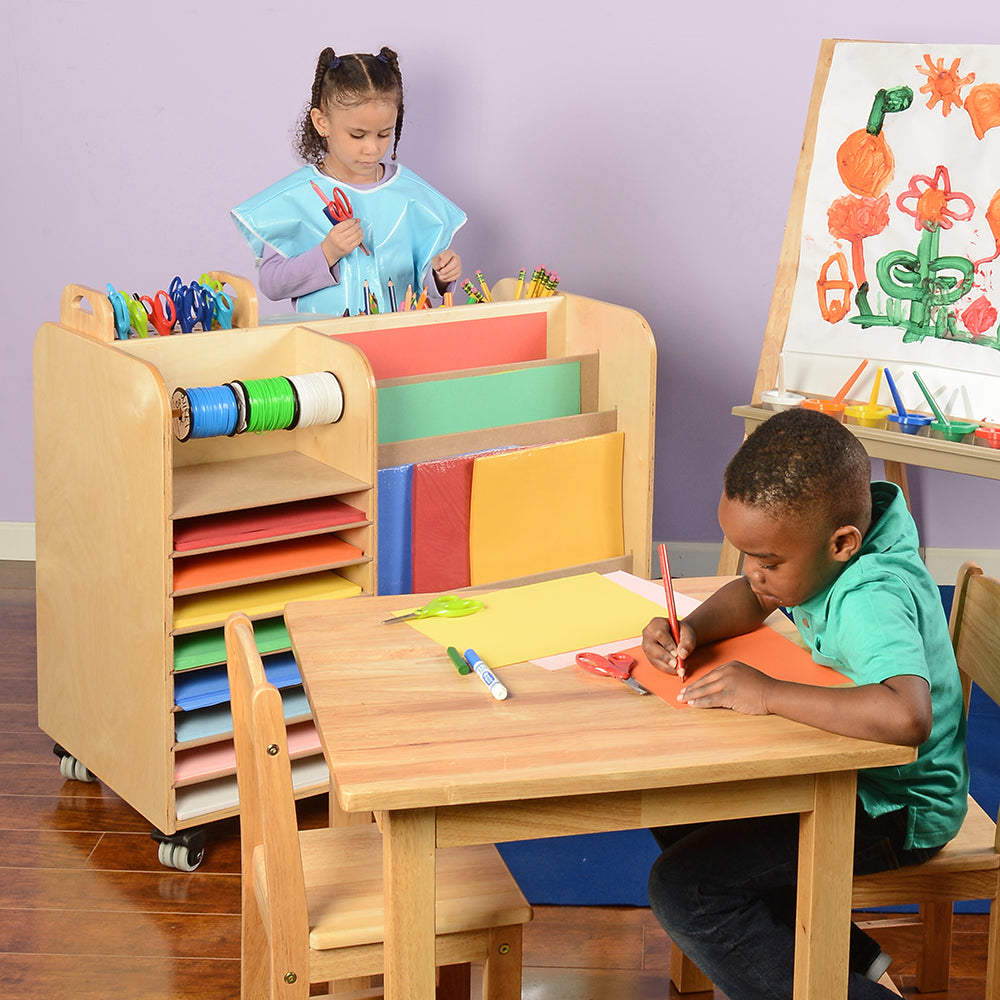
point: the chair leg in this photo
(685, 975)
(255, 951)
(993, 951)
(502, 968)
(454, 982)
(934, 959)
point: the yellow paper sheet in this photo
(540, 619)
(540, 509)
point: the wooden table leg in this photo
(822, 926)
(408, 858)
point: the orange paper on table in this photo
(539, 509)
(765, 649)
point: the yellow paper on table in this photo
(538, 509)
(541, 619)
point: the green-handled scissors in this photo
(446, 606)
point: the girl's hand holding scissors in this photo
(447, 267)
(341, 240)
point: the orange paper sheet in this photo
(540, 509)
(763, 648)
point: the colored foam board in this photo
(202, 649)
(261, 562)
(268, 598)
(540, 509)
(395, 529)
(476, 402)
(439, 347)
(442, 494)
(235, 526)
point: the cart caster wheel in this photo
(183, 851)
(70, 767)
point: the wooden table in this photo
(442, 763)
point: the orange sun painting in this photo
(942, 84)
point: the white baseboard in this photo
(17, 540)
(702, 559)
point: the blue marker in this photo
(486, 675)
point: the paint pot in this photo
(910, 423)
(831, 407)
(990, 436)
(775, 399)
(954, 430)
(868, 415)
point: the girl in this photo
(401, 230)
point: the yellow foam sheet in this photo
(539, 509)
(541, 619)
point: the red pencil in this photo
(668, 592)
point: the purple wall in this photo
(648, 158)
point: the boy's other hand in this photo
(734, 685)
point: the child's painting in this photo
(900, 254)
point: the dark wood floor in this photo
(87, 911)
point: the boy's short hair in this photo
(806, 464)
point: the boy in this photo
(841, 553)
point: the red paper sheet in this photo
(442, 493)
(763, 648)
(236, 526)
(442, 347)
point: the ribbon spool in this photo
(205, 411)
(258, 405)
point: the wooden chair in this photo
(313, 908)
(966, 868)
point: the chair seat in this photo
(343, 875)
(971, 851)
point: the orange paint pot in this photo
(988, 436)
(831, 407)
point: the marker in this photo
(461, 665)
(486, 675)
(668, 592)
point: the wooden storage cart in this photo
(112, 482)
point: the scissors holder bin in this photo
(146, 542)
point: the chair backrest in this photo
(268, 821)
(975, 629)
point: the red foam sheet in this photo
(440, 347)
(442, 495)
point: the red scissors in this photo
(161, 311)
(618, 665)
(338, 210)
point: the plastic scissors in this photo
(161, 311)
(119, 305)
(618, 665)
(447, 606)
(337, 210)
(138, 316)
(192, 304)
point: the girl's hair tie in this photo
(383, 58)
(333, 63)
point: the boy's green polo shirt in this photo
(882, 617)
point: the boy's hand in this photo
(660, 649)
(734, 685)
(341, 240)
(447, 267)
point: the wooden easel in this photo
(897, 450)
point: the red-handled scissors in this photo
(161, 311)
(338, 210)
(618, 665)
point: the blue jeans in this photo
(725, 893)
